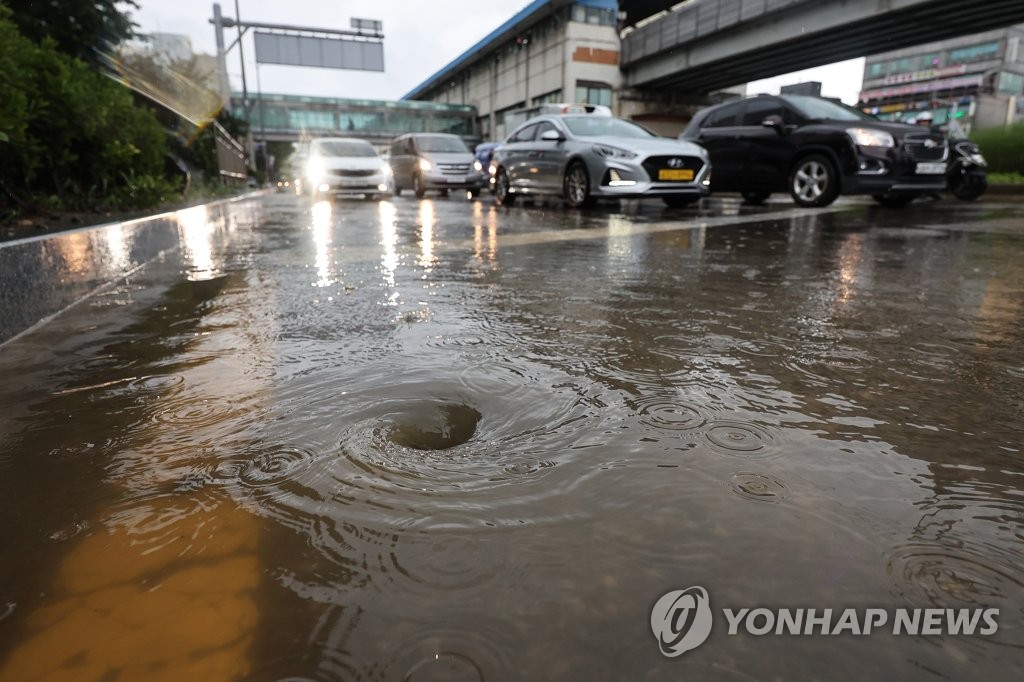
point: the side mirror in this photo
(551, 136)
(775, 122)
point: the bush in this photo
(1003, 148)
(75, 137)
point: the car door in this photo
(770, 148)
(516, 159)
(721, 134)
(550, 157)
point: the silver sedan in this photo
(585, 157)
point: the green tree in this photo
(85, 29)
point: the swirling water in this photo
(436, 441)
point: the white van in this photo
(337, 166)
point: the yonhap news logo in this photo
(682, 620)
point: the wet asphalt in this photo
(439, 439)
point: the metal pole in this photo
(222, 61)
(241, 59)
(263, 130)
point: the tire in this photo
(755, 198)
(443, 192)
(396, 190)
(576, 186)
(814, 181)
(474, 193)
(968, 186)
(417, 186)
(679, 201)
(893, 200)
(502, 194)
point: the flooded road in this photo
(440, 440)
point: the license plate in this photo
(352, 183)
(673, 174)
(931, 168)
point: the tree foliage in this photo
(85, 29)
(74, 136)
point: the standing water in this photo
(439, 440)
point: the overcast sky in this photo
(419, 39)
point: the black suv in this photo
(816, 149)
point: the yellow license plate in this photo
(673, 174)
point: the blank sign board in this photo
(329, 53)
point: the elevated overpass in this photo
(706, 45)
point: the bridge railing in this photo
(694, 20)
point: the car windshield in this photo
(441, 144)
(827, 110)
(602, 126)
(345, 148)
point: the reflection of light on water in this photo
(388, 240)
(623, 246)
(115, 239)
(850, 256)
(322, 242)
(76, 253)
(478, 233)
(196, 233)
(427, 220)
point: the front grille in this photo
(345, 173)
(653, 164)
(453, 168)
(925, 147)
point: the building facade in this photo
(977, 79)
(551, 51)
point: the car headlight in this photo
(613, 152)
(478, 167)
(385, 169)
(316, 171)
(424, 165)
(869, 137)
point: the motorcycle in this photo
(965, 174)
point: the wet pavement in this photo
(440, 440)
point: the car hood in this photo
(649, 146)
(448, 157)
(352, 162)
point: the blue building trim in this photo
(523, 20)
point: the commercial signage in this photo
(916, 88)
(927, 74)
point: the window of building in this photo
(975, 53)
(310, 119)
(876, 70)
(1010, 83)
(594, 15)
(550, 98)
(591, 92)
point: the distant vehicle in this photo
(433, 161)
(584, 157)
(338, 166)
(484, 153)
(816, 149)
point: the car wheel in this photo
(680, 201)
(755, 198)
(577, 186)
(474, 193)
(396, 190)
(417, 186)
(814, 181)
(502, 194)
(893, 200)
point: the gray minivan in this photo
(439, 161)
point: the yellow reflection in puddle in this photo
(124, 609)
